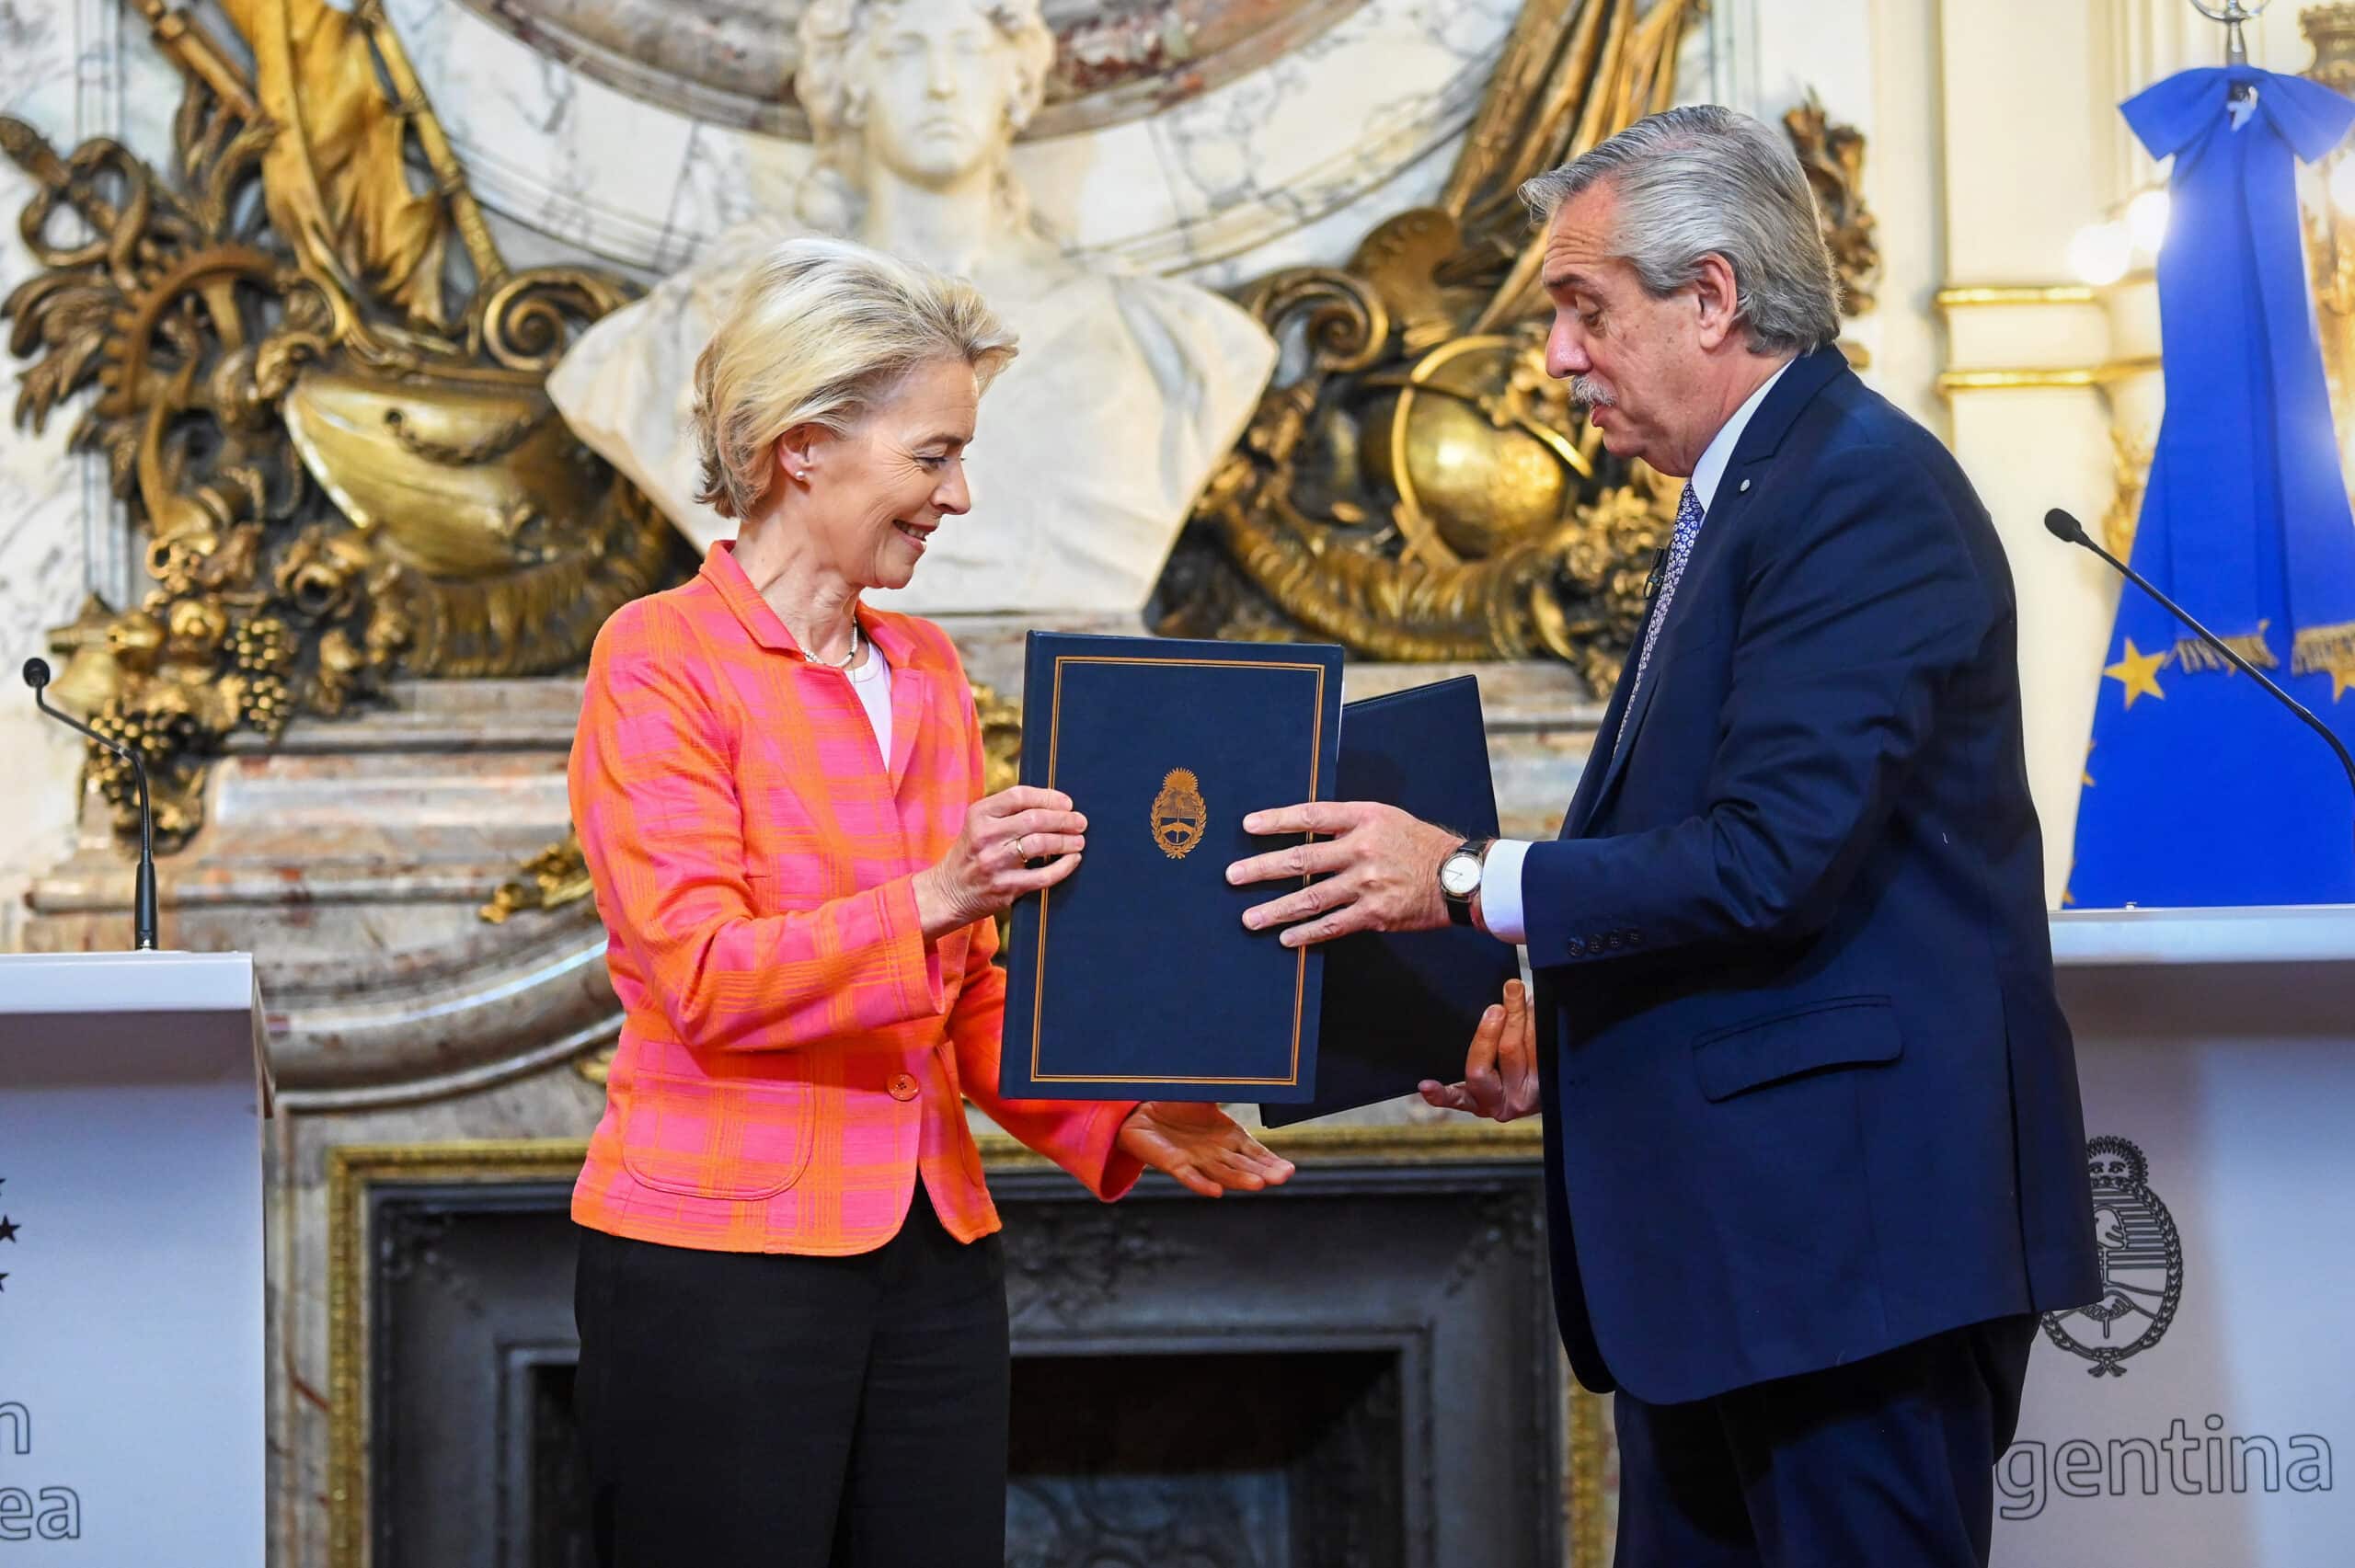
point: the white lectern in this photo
(131, 1384)
(2199, 1412)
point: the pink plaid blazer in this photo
(794, 1054)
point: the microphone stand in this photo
(143, 898)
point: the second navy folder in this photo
(1401, 1007)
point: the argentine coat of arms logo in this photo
(2141, 1255)
(1179, 814)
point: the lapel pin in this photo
(1742, 489)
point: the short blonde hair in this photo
(822, 333)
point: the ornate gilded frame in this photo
(354, 1169)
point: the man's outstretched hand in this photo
(1500, 1069)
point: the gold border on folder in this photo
(1300, 981)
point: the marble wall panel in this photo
(729, 62)
(642, 186)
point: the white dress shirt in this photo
(1501, 905)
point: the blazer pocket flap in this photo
(1852, 1032)
(738, 1140)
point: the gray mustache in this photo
(1591, 395)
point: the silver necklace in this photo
(846, 659)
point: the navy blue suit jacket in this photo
(1808, 1094)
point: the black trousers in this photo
(1885, 1461)
(743, 1410)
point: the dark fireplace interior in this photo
(1295, 1462)
(1357, 1372)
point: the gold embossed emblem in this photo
(1178, 814)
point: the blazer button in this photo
(902, 1087)
(1577, 948)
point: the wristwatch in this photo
(1459, 877)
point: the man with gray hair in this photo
(1812, 1133)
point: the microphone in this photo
(143, 899)
(2069, 531)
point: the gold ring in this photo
(1020, 852)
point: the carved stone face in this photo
(937, 78)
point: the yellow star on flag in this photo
(2139, 672)
(2342, 680)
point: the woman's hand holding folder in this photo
(995, 859)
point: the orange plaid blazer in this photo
(793, 1054)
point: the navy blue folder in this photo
(1400, 1009)
(1134, 978)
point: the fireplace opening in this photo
(1271, 1460)
(1274, 1461)
(1361, 1371)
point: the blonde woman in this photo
(791, 1301)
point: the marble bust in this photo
(1127, 391)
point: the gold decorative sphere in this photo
(1470, 462)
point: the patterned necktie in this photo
(1680, 550)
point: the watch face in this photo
(1459, 874)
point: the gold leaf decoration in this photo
(221, 330)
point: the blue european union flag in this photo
(2200, 788)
